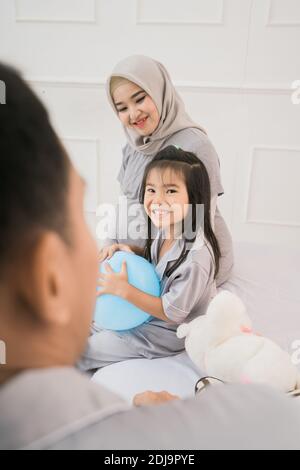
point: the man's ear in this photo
(46, 285)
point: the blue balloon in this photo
(115, 313)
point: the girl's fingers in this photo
(102, 255)
(102, 290)
(112, 250)
(106, 253)
(108, 268)
(102, 276)
(124, 268)
(126, 248)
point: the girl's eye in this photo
(141, 99)
(171, 191)
(121, 110)
(150, 190)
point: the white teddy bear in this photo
(222, 344)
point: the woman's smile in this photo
(140, 123)
(136, 109)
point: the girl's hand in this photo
(108, 251)
(113, 283)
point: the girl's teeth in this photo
(160, 211)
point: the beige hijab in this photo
(152, 77)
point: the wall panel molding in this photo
(28, 14)
(273, 21)
(218, 19)
(267, 221)
(260, 88)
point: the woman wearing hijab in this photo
(153, 116)
(155, 122)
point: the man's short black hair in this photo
(34, 171)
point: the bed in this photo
(266, 277)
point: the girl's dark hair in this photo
(197, 183)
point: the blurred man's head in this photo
(48, 259)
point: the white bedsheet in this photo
(267, 279)
(176, 374)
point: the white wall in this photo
(233, 61)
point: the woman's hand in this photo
(153, 398)
(113, 283)
(108, 251)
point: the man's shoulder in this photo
(249, 411)
(39, 403)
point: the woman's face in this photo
(136, 109)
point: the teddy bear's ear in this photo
(183, 330)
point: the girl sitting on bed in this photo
(185, 254)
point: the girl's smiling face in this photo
(136, 110)
(166, 198)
